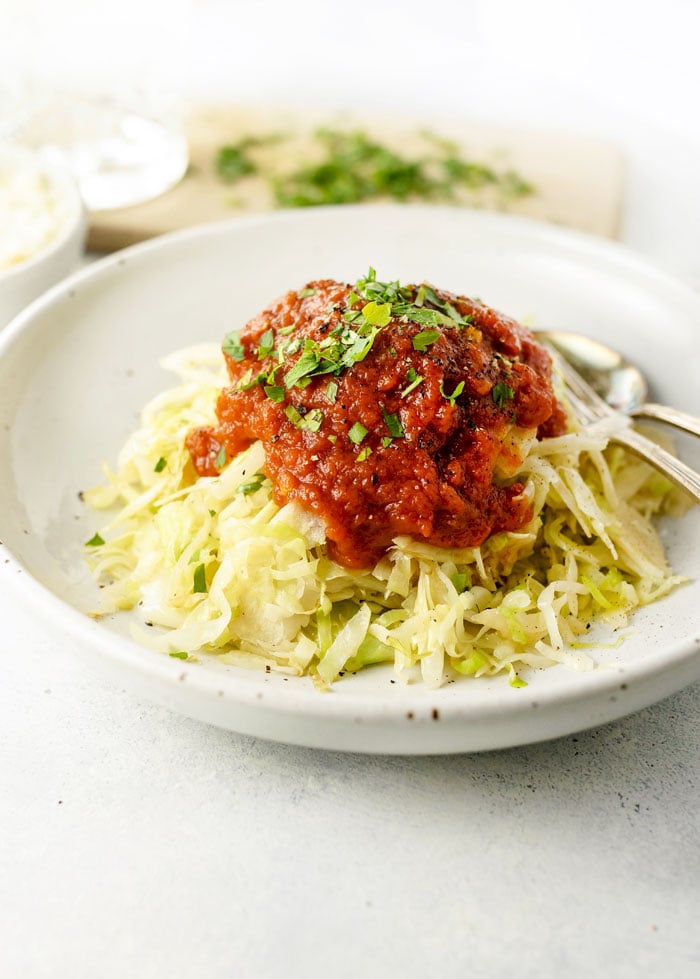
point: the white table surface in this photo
(135, 842)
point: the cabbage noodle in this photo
(217, 567)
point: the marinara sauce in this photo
(386, 410)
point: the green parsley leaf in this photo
(232, 161)
(233, 347)
(95, 541)
(221, 458)
(305, 365)
(393, 423)
(252, 486)
(386, 441)
(364, 454)
(424, 339)
(513, 185)
(179, 655)
(359, 347)
(357, 433)
(377, 314)
(199, 579)
(353, 167)
(414, 379)
(352, 315)
(332, 391)
(455, 394)
(274, 393)
(266, 344)
(293, 415)
(425, 317)
(160, 465)
(501, 393)
(305, 293)
(310, 422)
(249, 380)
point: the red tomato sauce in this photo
(405, 432)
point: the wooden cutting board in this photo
(577, 181)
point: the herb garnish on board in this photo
(355, 167)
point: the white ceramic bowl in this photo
(57, 255)
(77, 367)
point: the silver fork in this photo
(590, 409)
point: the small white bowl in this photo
(61, 252)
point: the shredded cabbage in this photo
(214, 566)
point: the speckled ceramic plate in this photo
(77, 366)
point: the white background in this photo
(624, 70)
(135, 842)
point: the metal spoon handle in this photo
(682, 475)
(662, 413)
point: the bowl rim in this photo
(63, 181)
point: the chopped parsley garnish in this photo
(426, 317)
(472, 175)
(274, 393)
(455, 394)
(305, 293)
(232, 346)
(160, 465)
(424, 339)
(252, 486)
(347, 345)
(305, 365)
(393, 423)
(349, 341)
(294, 416)
(364, 454)
(357, 433)
(501, 393)
(266, 344)
(345, 339)
(355, 167)
(179, 655)
(377, 314)
(199, 583)
(233, 162)
(95, 541)
(310, 422)
(414, 379)
(221, 458)
(249, 380)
